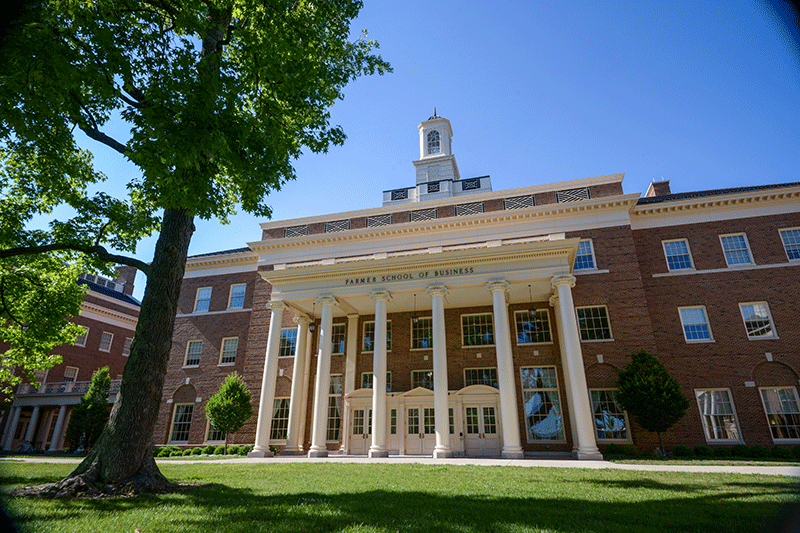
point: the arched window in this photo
(433, 142)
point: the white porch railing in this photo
(65, 387)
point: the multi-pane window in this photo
(593, 323)
(230, 346)
(533, 328)
(280, 419)
(338, 338)
(757, 320)
(718, 415)
(422, 378)
(678, 255)
(736, 249)
(609, 417)
(433, 142)
(584, 260)
(422, 333)
(288, 342)
(695, 324)
(215, 435)
(80, 340)
(366, 381)
(393, 421)
(126, 348)
(783, 412)
(71, 374)
(203, 300)
(477, 330)
(105, 341)
(791, 243)
(481, 376)
(181, 422)
(369, 336)
(543, 419)
(236, 300)
(335, 408)
(193, 350)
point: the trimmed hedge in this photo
(682, 451)
(703, 451)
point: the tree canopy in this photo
(90, 416)
(229, 408)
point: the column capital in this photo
(554, 301)
(438, 290)
(327, 300)
(497, 286)
(381, 295)
(565, 279)
(302, 319)
(276, 304)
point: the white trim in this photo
(707, 324)
(108, 316)
(628, 430)
(172, 424)
(549, 329)
(797, 401)
(197, 300)
(215, 312)
(728, 269)
(222, 348)
(491, 323)
(186, 353)
(85, 337)
(751, 261)
(608, 319)
(110, 342)
(774, 335)
(688, 252)
(230, 294)
(740, 440)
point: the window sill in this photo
(191, 366)
(699, 341)
(765, 338)
(590, 271)
(478, 346)
(724, 441)
(537, 343)
(227, 364)
(614, 441)
(597, 340)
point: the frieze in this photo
(408, 276)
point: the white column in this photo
(293, 445)
(31, 433)
(565, 371)
(267, 400)
(512, 449)
(378, 447)
(62, 414)
(349, 382)
(586, 446)
(12, 428)
(319, 430)
(440, 403)
(306, 380)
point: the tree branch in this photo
(99, 136)
(3, 300)
(96, 250)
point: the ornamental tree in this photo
(650, 394)
(217, 97)
(91, 415)
(229, 408)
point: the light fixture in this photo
(531, 309)
(313, 325)
(414, 317)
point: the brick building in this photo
(109, 312)
(506, 316)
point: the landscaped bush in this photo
(197, 451)
(782, 453)
(703, 451)
(740, 450)
(209, 450)
(233, 450)
(175, 453)
(630, 450)
(796, 452)
(245, 449)
(759, 452)
(682, 451)
(219, 450)
(187, 453)
(613, 449)
(722, 452)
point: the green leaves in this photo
(229, 408)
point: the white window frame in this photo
(530, 319)
(490, 325)
(557, 395)
(126, 347)
(231, 296)
(338, 348)
(793, 245)
(281, 403)
(772, 336)
(80, 340)
(590, 254)
(746, 249)
(335, 397)
(426, 371)
(667, 256)
(74, 377)
(481, 369)
(769, 422)
(419, 327)
(172, 424)
(626, 439)
(189, 343)
(684, 324)
(222, 351)
(364, 336)
(106, 335)
(286, 335)
(197, 300)
(607, 317)
(364, 376)
(209, 427)
(708, 432)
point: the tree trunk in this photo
(123, 455)
(660, 445)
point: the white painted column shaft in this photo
(12, 428)
(565, 371)
(323, 383)
(378, 447)
(265, 404)
(31, 433)
(293, 445)
(62, 414)
(349, 381)
(440, 402)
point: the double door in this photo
(420, 430)
(481, 437)
(361, 435)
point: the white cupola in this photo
(436, 160)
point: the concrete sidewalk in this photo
(793, 471)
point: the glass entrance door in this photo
(420, 431)
(481, 437)
(361, 435)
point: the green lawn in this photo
(314, 497)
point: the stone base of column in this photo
(260, 454)
(512, 454)
(295, 451)
(378, 453)
(317, 453)
(442, 454)
(587, 455)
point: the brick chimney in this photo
(126, 275)
(658, 188)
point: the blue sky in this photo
(706, 95)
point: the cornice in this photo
(108, 313)
(717, 203)
(222, 260)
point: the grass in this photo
(314, 497)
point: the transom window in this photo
(105, 341)
(610, 419)
(80, 340)
(542, 406)
(695, 324)
(338, 333)
(366, 381)
(422, 378)
(481, 376)
(71, 374)
(288, 342)
(533, 328)
(718, 415)
(214, 435)
(236, 300)
(477, 330)
(678, 255)
(791, 243)
(593, 323)
(757, 320)
(335, 408)
(422, 333)
(203, 300)
(182, 422)
(126, 348)
(230, 346)
(434, 146)
(736, 249)
(783, 412)
(193, 350)
(280, 419)
(584, 260)
(369, 336)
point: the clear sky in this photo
(704, 94)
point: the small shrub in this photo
(613, 449)
(209, 450)
(703, 451)
(187, 453)
(630, 450)
(175, 453)
(759, 452)
(782, 453)
(682, 451)
(796, 452)
(233, 449)
(245, 449)
(722, 452)
(197, 451)
(740, 450)
(219, 450)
